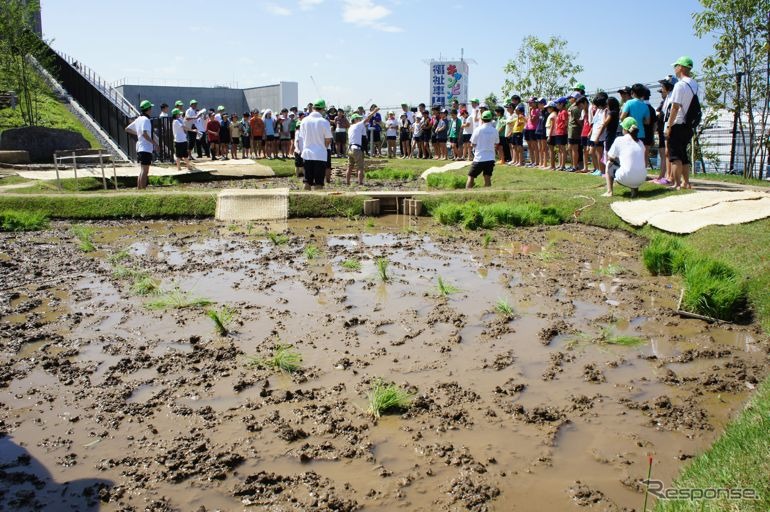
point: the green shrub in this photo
(714, 289)
(664, 255)
(390, 174)
(162, 181)
(446, 181)
(22, 221)
(471, 215)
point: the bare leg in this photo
(470, 182)
(487, 181)
(143, 178)
(609, 185)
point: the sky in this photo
(353, 52)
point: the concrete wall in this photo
(208, 97)
(274, 97)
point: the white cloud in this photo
(368, 14)
(306, 5)
(277, 9)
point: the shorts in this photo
(340, 137)
(482, 167)
(529, 135)
(585, 142)
(356, 158)
(678, 140)
(517, 139)
(453, 140)
(377, 136)
(425, 137)
(539, 135)
(270, 137)
(466, 137)
(285, 136)
(292, 134)
(503, 140)
(257, 138)
(245, 141)
(405, 135)
(612, 169)
(390, 137)
(557, 140)
(315, 172)
(661, 140)
(649, 138)
(441, 139)
(144, 158)
(433, 138)
(180, 149)
(574, 141)
(235, 140)
(298, 162)
(224, 139)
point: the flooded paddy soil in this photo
(107, 405)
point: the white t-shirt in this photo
(178, 128)
(391, 126)
(139, 125)
(200, 124)
(683, 94)
(485, 137)
(632, 172)
(356, 133)
(315, 129)
(409, 116)
(467, 125)
(189, 117)
(596, 126)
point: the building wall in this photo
(263, 98)
(208, 97)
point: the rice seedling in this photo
(714, 289)
(122, 272)
(504, 308)
(177, 299)
(446, 181)
(232, 227)
(370, 223)
(608, 336)
(311, 252)
(664, 255)
(222, 319)
(284, 358)
(610, 270)
(145, 285)
(162, 181)
(387, 397)
(391, 174)
(487, 239)
(472, 215)
(12, 220)
(445, 288)
(119, 256)
(278, 238)
(549, 252)
(84, 234)
(249, 227)
(382, 269)
(353, 265)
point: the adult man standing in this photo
(678, 131)
(316, 135)
(145, 144)
(190, 116)
(484, 140)
(409, 114)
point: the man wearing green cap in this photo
(316, 135)
(483, 140)
(626, 159)
(190, 116)
(141, 128)
(678, 131)
(181, 146)
(355, 145)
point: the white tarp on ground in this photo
(687, 213)
(453, 166)
(252, 204)
(236, 168)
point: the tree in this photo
(737, 75)
(491, 101)
(19, 45)
(541, 68)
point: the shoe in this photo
(597, 172)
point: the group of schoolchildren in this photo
(567, 128)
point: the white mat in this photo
(252, 204)
(687, 213)
(453, 166)
(124, 171)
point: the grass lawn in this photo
(729, 178)
(53, 115)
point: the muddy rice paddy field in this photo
(106, 404)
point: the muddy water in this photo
(151, 410)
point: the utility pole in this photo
(736, 117)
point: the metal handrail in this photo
(113, 95)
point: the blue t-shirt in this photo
(270, 126)
(637, 109)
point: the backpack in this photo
(694, 114)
